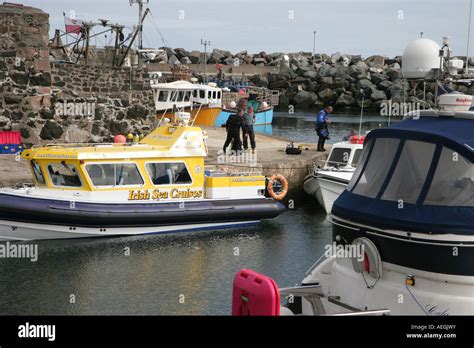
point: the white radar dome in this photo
(419, 57)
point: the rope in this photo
(162, 37)
(414, 298)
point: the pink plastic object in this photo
(120, 139)
(10, 138)
(255, 294)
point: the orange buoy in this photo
(277, 180)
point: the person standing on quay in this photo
(321, 126)
(233, 125)
(247, 129)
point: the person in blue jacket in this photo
(321, 126)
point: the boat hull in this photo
(206, 116)
(442, 282)
(262, 117)
(96, 219)
(325, 189)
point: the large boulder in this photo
(365, 84)
(378, 95)
(194, 56)
(375, 61)
(326, 71)
(304, 99)
(173, 60)
(312, 75)
(327, 95)
(345, 100)
(384, 85)
(377, 78)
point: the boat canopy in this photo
(416, 176)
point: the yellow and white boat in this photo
(203, 102)
(158, 185)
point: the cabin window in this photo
(64, 175)
(163, 96)
(174, 94)
(360, 166)
(38, 172)
(372, 178)
(195, 93)
(214, 95)
(114, 174)
(339, 157)
(209, 94)
(411, 171)
(180, 96)
(219, 95)
(356, 159)
(202, 94)
(453, 182)
(187, 96)
(169, 173)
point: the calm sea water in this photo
(172, 275)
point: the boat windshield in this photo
(373, 176)
(64, 175)
(339, 157)
(378, 176)
(453, 182)
(355, 160)
(38, 172)
(411, 171)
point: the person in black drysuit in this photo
(233, 125)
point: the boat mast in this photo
(140, 20)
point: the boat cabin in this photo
(184, 94)
(345, 155)
(167, 165)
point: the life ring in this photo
(271, 189)
(372, 262)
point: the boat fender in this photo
(372, 262)
(275, 181)
(255, 294)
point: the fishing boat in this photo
(327, 183)
(203, 102)
(403, 229)
(262, 100)
(157, 185)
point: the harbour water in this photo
(176, 274)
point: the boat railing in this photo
(70, 145)
(314, 295)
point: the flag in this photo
(73, 26)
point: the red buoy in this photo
(120, 139)
(357, 139)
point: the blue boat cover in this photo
(456, 134)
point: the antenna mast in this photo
(140, 20)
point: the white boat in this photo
(403, 229)
(327, 184)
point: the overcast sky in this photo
(349, 26)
